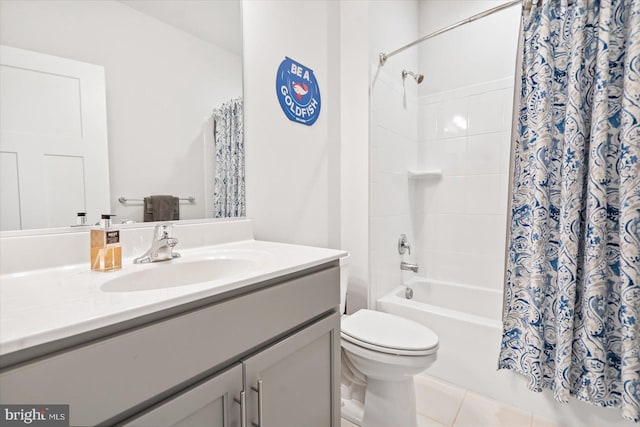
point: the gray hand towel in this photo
(161, 208)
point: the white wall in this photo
(161, 84)
(394, 134)
(293, 170)
(477, 52)
(354, 141)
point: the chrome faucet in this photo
(403, 245)
(161, 247)
(409, 267)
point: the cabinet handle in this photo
(259, 391)
(242, 402)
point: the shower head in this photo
(417, 77)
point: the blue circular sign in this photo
(298, 92)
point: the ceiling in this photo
(215, 21)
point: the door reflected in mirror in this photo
(168, 65)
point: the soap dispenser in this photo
(106, 250)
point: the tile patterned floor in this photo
(451, 406)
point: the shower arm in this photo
(384, 56)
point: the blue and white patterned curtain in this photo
(229, 192)
(572, 293)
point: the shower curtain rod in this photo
(384, 56)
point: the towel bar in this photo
(124, 200)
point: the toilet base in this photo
(390, 403)
(352, 410)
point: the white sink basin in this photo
(169, 274)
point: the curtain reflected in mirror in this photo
(229, 190)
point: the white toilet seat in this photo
(387, 350)
(389, 334)
(370, 362)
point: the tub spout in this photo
(408, 293)
(409, 267)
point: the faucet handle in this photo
(403, 245)
(162, 231)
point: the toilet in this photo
(381, 353)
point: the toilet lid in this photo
(387, 332)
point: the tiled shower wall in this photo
(393, 140)
(394, 147)
(460, 218)
(458, 120)
(464, 122)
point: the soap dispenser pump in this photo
(106, 250)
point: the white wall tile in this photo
(429, 263)
(423, 154)
(384, 103)
(485, 271)
(395, 109)
(425, 234)
(505, 151)
(427, 122)
(486, 112)
(486, 194)
(390, 194)
(450, 195)
(410, 118)
(385, 259)
(386, 273)
(392, 153)
(451, 233)
(447, 266)
(507, 96)
(485, 234)
(451, 155)
(430, 155)
(452, 117)
(378, 132)
(484, 154)
(425, 195)
(387, 230)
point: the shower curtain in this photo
(572, 293)
(229, 192)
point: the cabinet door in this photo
(295, 382)
(210, 403)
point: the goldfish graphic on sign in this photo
(300, 89)
(298, 92)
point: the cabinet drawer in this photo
(108, 377)
(211, 403)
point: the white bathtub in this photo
(467, 320)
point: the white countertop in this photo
(46, 305)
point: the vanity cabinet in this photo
(288, 384)
(278, 342)
(211, 403)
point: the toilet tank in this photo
(344, 279)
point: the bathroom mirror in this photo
(167, 65)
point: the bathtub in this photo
(467, 320)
